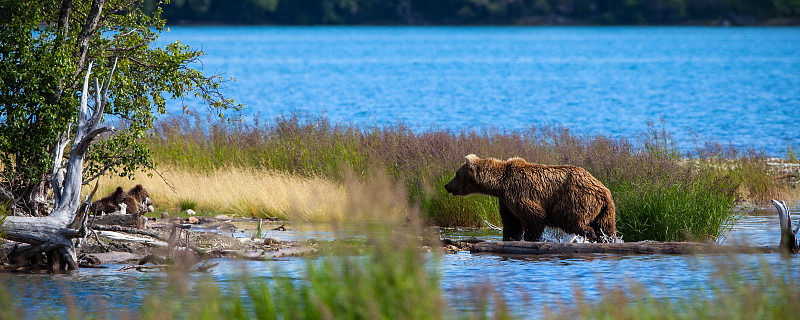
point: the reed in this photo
(243, 192)
(645, 166)
(728, 296)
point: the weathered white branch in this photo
(57, 176)
(83, 146)
(101, 99)
(788, 236)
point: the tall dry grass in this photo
(243, 192)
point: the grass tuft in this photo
(187, 204)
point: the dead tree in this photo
(53, 234)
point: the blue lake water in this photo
(530, 285)
(738, 85)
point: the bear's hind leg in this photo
(512, 227)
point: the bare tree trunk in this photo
(53, 234)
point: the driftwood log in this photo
(533, 248)
(788, 244)
(53, 234)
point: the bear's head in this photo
(464, 183)
(117, 195)
(140, 194)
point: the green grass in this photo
(695, 212)
(729, 296)
(186, 204)
(656, 186)
(3, 214)
(791, 155)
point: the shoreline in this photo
(717, 23)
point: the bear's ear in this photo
(471, 158)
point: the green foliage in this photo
(514, 12)
(44, 52)
(700, 211)
(445, 209)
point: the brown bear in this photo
(532, 196)
(136, 200)
(109, 203)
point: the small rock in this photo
(165, 215)
(190, 212)
(151, 209)
(194, 220)
(222, 217)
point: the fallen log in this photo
(787, 244)
(128, 230)
(118, 236)
(628, 248)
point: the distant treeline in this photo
(474, 12)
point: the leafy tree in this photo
(45, 48)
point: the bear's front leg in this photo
(534, 231)
(512, 227)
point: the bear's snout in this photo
(449, 188)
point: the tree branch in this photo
(101, 173)
(5, 195)
(128, 48)
(88, 30)
(57, 180)
(88, 138)
(63, 19)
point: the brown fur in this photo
(135, 199)
(109, 203)
(533, 196)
